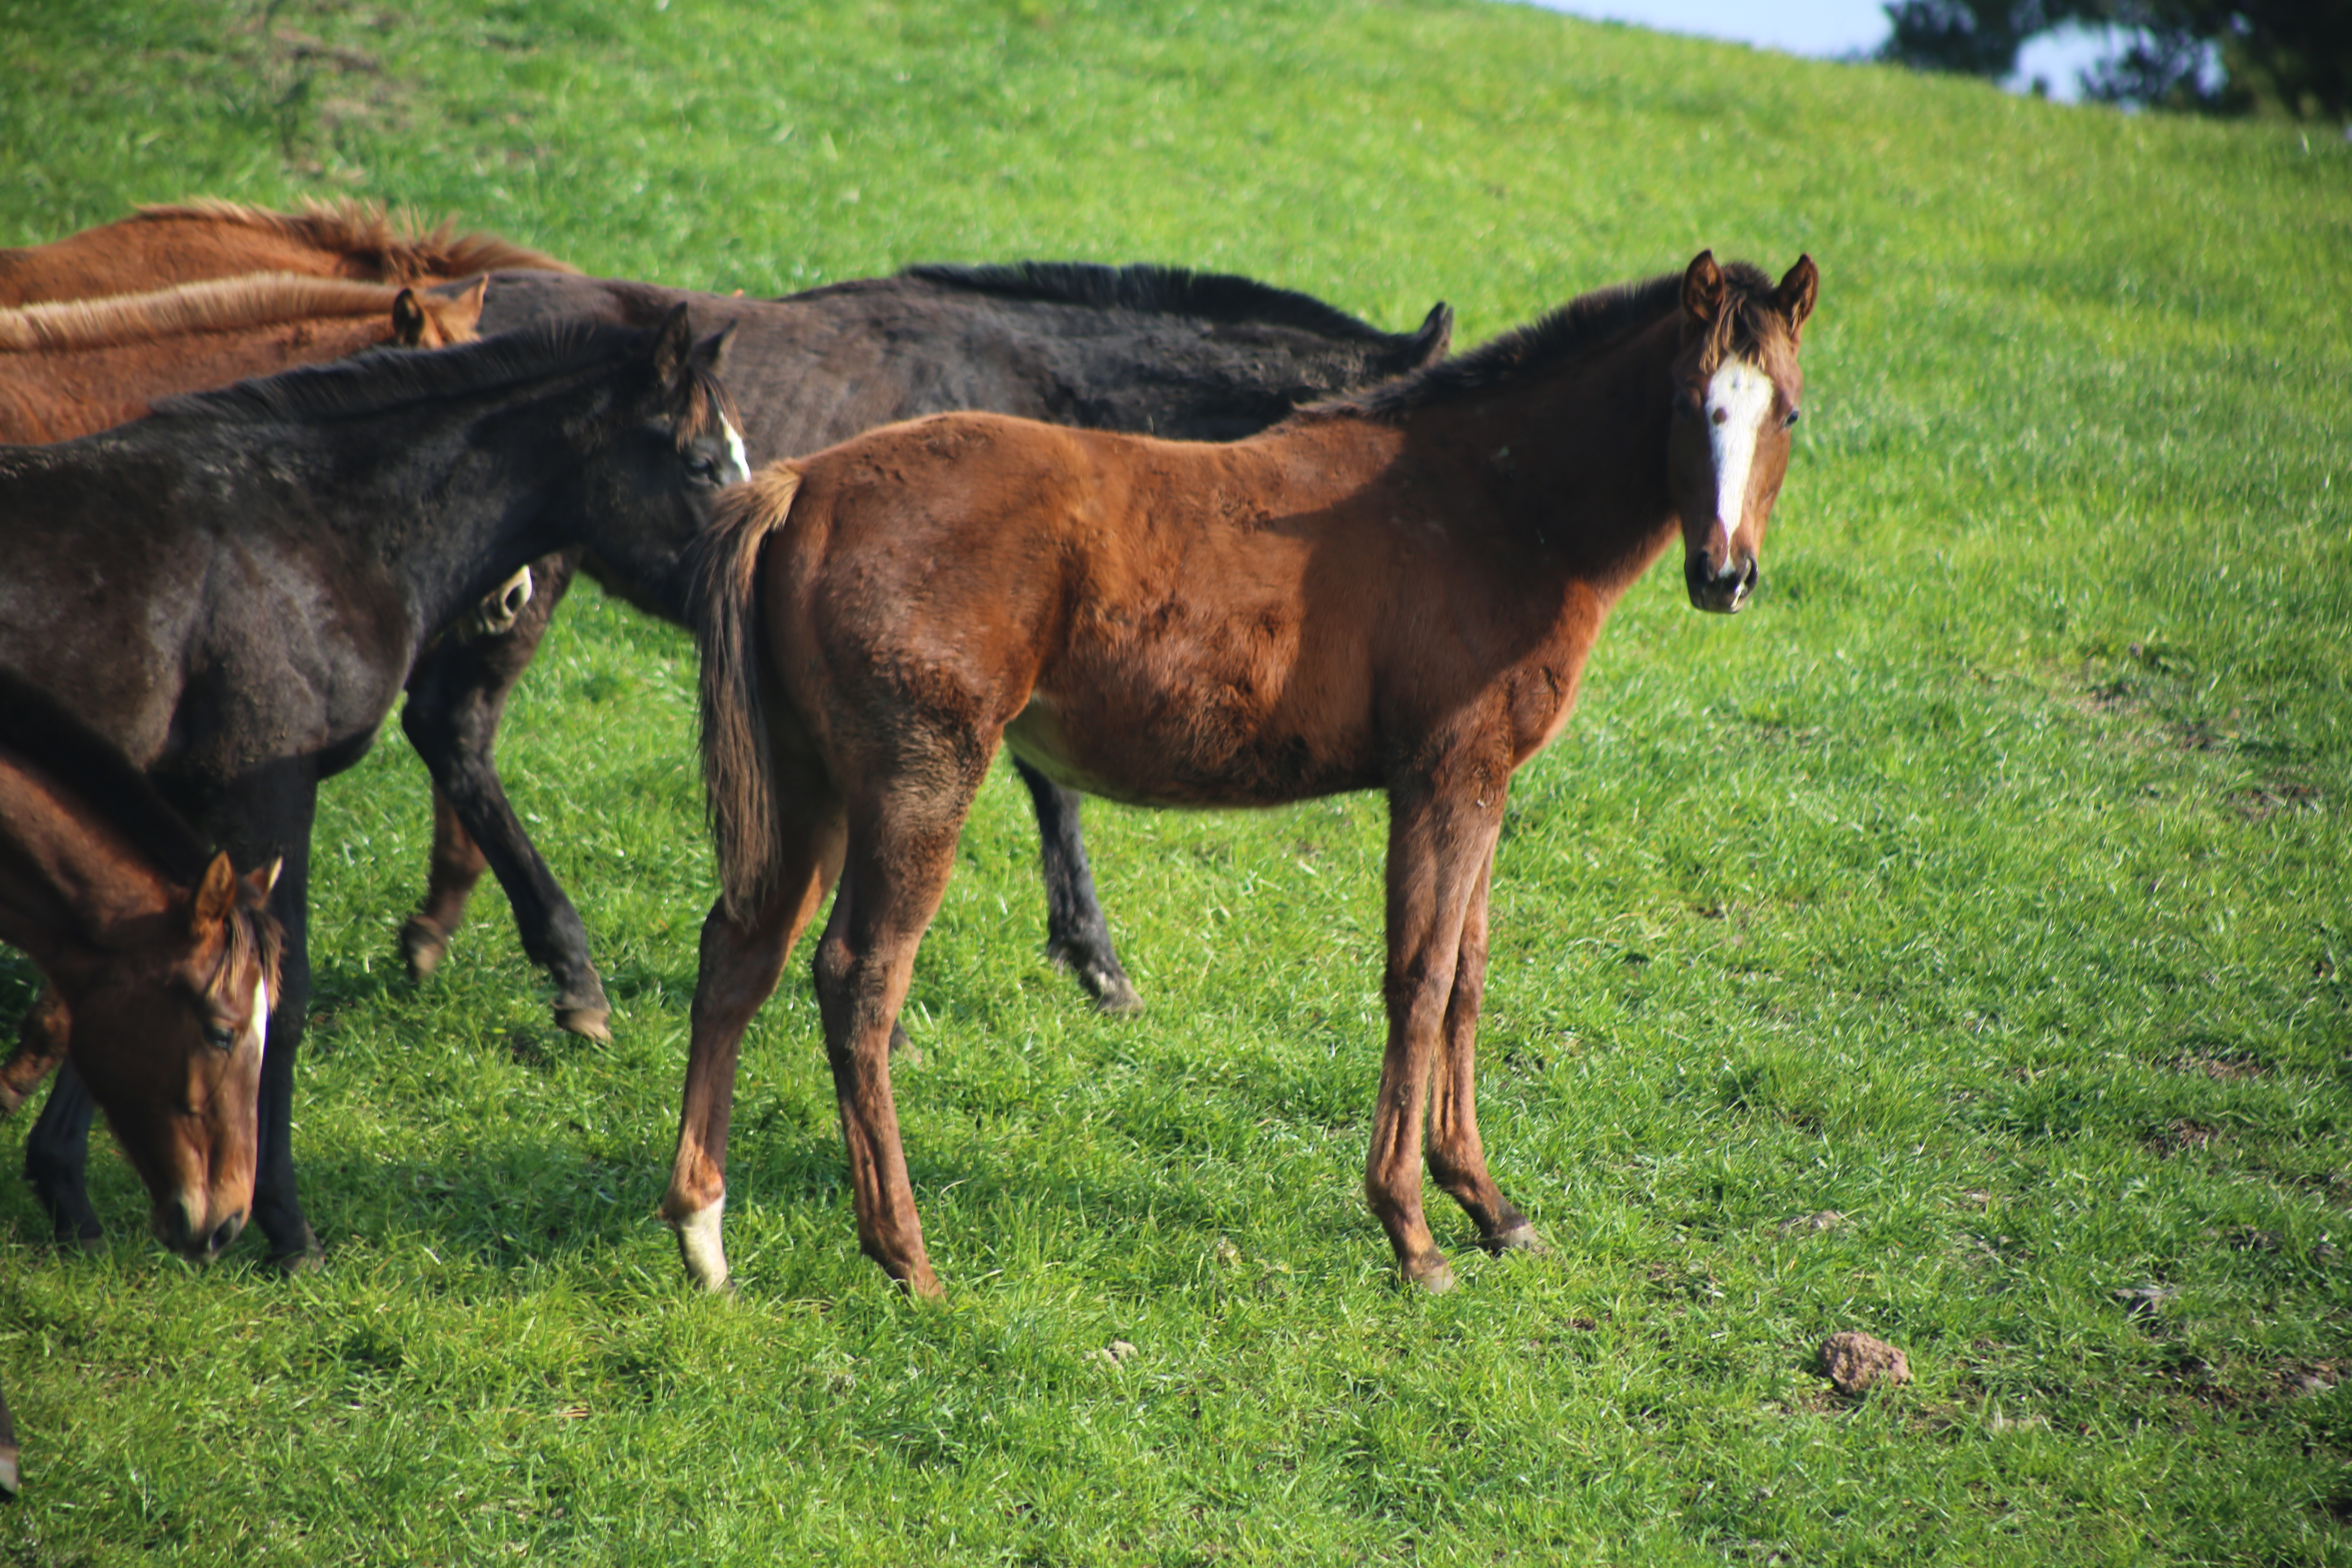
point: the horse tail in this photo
(739, 791)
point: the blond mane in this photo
(260, 298)
(404, 251)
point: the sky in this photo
(1825, 28)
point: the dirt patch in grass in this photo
(2260, 803)
(2182, 1135)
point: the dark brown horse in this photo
(162, 955)
(1395, 591)
(74, 367)
(188, 242)
(1196, 356)
(233, 590)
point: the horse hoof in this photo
(1432, 1274)
(700, 1248)
(1117, 997)
(423, 947)
(1521, 1238)
(12, 1479)
(586, 1022)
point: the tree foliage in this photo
(2291, 58)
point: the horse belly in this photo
(1195, 754)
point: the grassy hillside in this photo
(1948, 943)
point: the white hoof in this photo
(698, 1244)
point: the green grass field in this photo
(1948, 943)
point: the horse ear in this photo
(407, 320)
(1797, 291)
(673, 343)
(710, 354)
(216, 896)
(257, 883)
(1436, 335)
(1703, 288)
(468, 307)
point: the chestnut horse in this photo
(1395, 589)
(79, 366)
(163, 955)
(157, 246)
(1193, 355)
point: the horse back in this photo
(56, 395)
(1166, 622)
(137, 255)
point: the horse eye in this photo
(1791, 419)
(219, 1036)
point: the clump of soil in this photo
(1857, 1362)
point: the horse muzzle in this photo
(192, 1236)
(1721, 590)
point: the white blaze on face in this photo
(1739, 399)
(259, 1028)
(735, 451)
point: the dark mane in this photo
(39, 728)
(387, 378)
(1572, 330)
(1154, 290)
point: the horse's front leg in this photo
(456, 695)
(1440, 840)
(1078, 935)
(740, 963)
(277, 821)
(1457, 1161)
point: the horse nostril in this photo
(227, 1232)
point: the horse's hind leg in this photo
(902, 849)
(456, 695)
(1457, 1161)
(740, 962)
(454, 867)
(1077, 936)
(42, 1038)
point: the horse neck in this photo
(70, 887)
(1575, 460)
(455, 502)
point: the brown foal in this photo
(68, 369)
(1392, 591)
(157, 246)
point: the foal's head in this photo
(686, 426)
(169, 1038)
(1736, 391)
(437, 321)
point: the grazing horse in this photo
(82, 365)
(1395, 591)
(163, 955)
(157, 246)
(233, 590)
(1196, 356)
